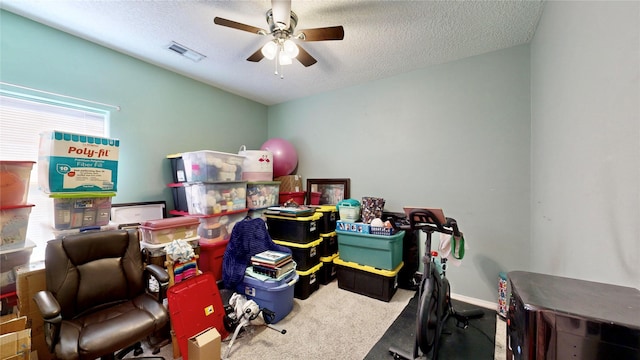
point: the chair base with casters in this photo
(97, 304)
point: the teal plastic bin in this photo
(378, 251)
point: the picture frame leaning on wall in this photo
(331, 191)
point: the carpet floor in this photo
(335, 324)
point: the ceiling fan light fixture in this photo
(284, 59)
(270, 49)
(290, 48)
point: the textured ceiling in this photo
(382, 38)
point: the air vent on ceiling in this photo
(185, 51)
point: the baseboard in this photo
(474, 301)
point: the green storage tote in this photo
(378, 251)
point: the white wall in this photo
(454, 136)
(585, 142)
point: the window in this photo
(23, 118)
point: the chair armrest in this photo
(50, 310)
(158, 272)
(48, 305)
(162, 277)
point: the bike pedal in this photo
(462, 324)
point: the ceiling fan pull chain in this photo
(276, 70)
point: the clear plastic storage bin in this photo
(215, 198)
(211, 166)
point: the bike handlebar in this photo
(425, 220)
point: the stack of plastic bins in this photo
(215, 232)
(307, 258)
(207, 186)
(212, 183)
(156, 234)
(309, 282)
(15, 250)
(369, 264)
(80, 174)
(177, 185)
(14, 210)
(328, 271)
(302, 236)
(329, 245)
(327, 223)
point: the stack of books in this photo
(273, 264)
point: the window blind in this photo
(21, 123)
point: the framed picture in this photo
(331, 191)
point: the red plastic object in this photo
(315, 198)
(195, 305)
(211, 255)
(298, 197)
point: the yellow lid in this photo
(310, 271)
(326, 208)
(81, 195)
(313, 217)
(333, 233)
(367, 268)
(296, 245)
(174, 156)
(329, 258)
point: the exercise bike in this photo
(434, 292)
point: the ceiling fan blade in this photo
(321, 34)
(240, 26)
(281, 12)
(256, 56)
(304, 57)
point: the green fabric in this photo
(457, 246)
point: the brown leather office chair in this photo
(96, 302)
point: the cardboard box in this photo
(31, 279)
(205, 345)
(13, 325)
(76, 163)
(16, 343)
(290, 183)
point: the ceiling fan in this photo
(282, 26)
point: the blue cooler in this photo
(275, 295)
